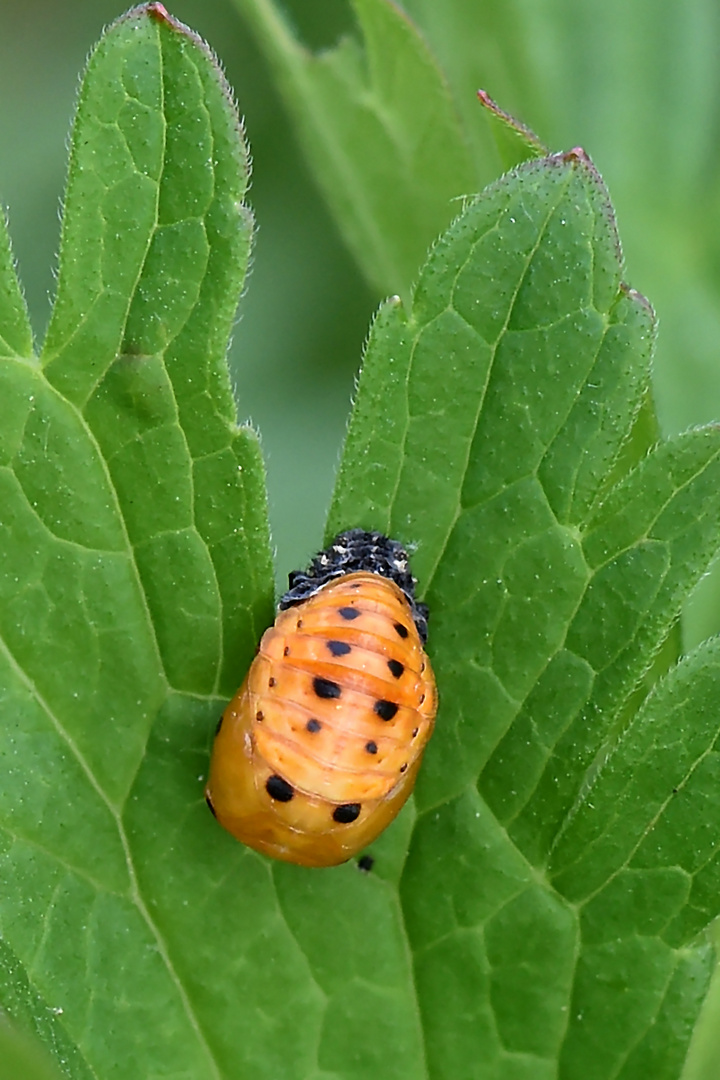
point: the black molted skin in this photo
(353, 551)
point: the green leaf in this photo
(380, 132)
(471, 393)
(515, 142)
(569, 70)
(149, 280)
(645, 549)
(639, 856)
(649, 815)
(15, 332)
(136, 569)
(539, 908)
(510, 390)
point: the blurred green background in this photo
(636, 84)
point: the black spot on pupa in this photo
(371, 747)
(338, 648)
(386, 710)
(279, 789)
(271, 681)
(366, 863)
(219, 725)
(403, 768)
(286, 650)
(396, 668)
(347, 813)
(313, 726)
(415, 732)
(401, 630)
(259, 716)
(422, 698)
(349, 613)
(326, 688)
(208, 800)
(356, 585)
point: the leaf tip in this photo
(578, 154)
(158, 12)
(580, 158)
(639, 299)
(516, 126)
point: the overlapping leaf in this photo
(380, 131)
(511, 386)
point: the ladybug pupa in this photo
(320, 747)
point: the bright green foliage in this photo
(570, 70)
(381, 133)
(504, 396)
(135, 561)
(15, 332)
(539, 909)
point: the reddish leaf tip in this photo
(580, 158)
(638, 298)
(577, 154)
(520, 129)
(159, 12)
